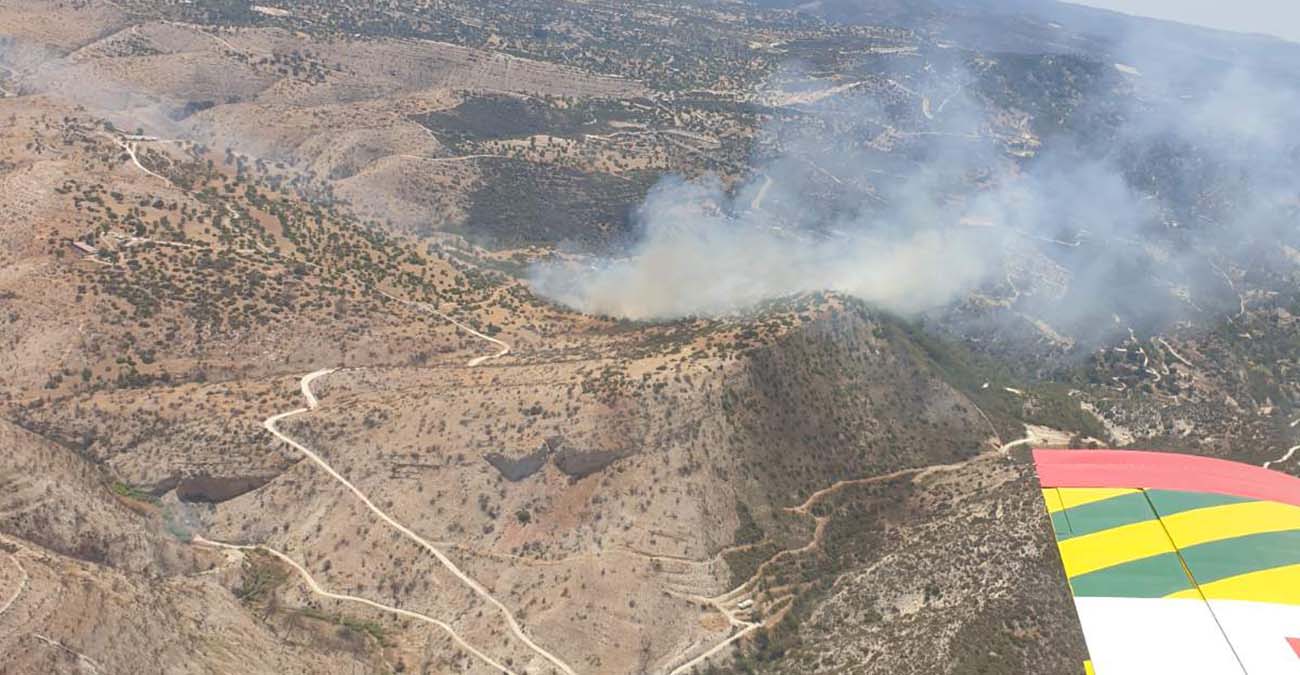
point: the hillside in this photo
(298, 376)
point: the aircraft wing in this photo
(1178, 564)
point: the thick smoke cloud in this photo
(695, 258)
(1135, 217)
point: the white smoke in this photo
(703, 250)
(695, 260)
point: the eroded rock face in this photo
(217, 488)
(515, 470)
(582, 463)
(572, 462)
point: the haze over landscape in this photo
(539, 336)
(702, 249)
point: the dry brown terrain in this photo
(275, 396)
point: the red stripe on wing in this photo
(1163, 471)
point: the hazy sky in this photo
(1273, 17)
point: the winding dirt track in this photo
(502, 348)
(805, 508)
(461, 158)
(91, 663)
(316, 588)
(312, 403)
(1286, 457)
(22, 585)
(1168, 347)
(748, 627)
(130, 150)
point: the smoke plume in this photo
(1134, 208)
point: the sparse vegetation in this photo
(608, 480)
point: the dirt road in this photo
(748, 628)
(735, 594)
(1286, 457)
(312, 403)
(461, 158)
(130, 150)
(318, 590)
(82, 658)
(502, 347)
(22, 585)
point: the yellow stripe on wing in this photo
(1278, 585)
(1052, 497)
(1117, 545)
(1099, 550)
(1199, 526)
(1072, 497)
